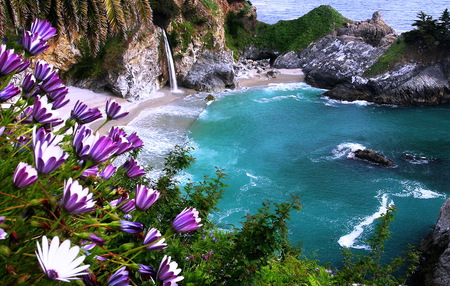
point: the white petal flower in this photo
(58, 261)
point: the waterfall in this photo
(172, 75)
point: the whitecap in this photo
(349, 240)
(276, 98)
(347, 149)
(418, 191)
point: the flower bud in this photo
(5, 251)
(126, 246)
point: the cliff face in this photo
(339, 63)
(196, 30)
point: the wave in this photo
(350, 240)
(277, 98)
(417, 191)
(289, 86)
(335, 102)
(347, 149)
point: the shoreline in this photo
(163, 97)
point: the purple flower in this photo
(43, 113)
(43, 70)
(33, 43)
(113, 110)
(51, 83)
(92, 171)
(81, 113)
(97, 240)
(119, 278)
(60, 102)
(119, 136)
(24, 175)
(47, 155)
(43, 28)
(3, 233)
(154, 239)
(145, 197)
(131, 226)
(11, 62)
(187, 220)
(83, 140)
(102, 149)
(147, 270)
(133, 169)
(28, 83)
(107, 172)
(60, 92)
(135, 140)
(76, 199)
(42, 135)
(124, 204)
(168, 272)
(8, 92)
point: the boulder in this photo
(273, 73)
(435, 251)
(211, 72)
(373, 157)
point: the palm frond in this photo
(115, 15)
(144, 11)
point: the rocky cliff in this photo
(196, 31)
(339, 62)
(435, 249)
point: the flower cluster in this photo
(62, 181)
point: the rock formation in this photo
(373, 157)
(435, 251)
(338, 63)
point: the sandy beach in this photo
(162, 96)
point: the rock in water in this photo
(373, 156)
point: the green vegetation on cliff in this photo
(297, 34)
(428, 43)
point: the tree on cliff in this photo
(94, 19)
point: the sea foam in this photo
(347, 149)
(350, 240)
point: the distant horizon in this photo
(399, 14)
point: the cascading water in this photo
(172, 76)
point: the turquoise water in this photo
(287, 139)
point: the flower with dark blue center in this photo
(133, 169)
(59, 262)
(11, 62)
(119, 136)
(76, 199)
(113, 110)
(43, 28)
(168, 272)
(24, 175)
(187, 220)
(145, 197)
(154, 240)
(8, 92)
(131, 226)
(119, 278)
(81, 113)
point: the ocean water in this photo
(399, 14)
(288, 139)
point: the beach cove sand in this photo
(161, 97)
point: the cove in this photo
(286, 139)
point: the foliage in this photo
(297, 34)
(429, 42)
(94, 19)
(181, 35)
(239, 32)
(164, 11)
(104, 62)
(212, 6)
(369, 269)
(395, 54)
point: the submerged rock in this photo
(373, 157)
